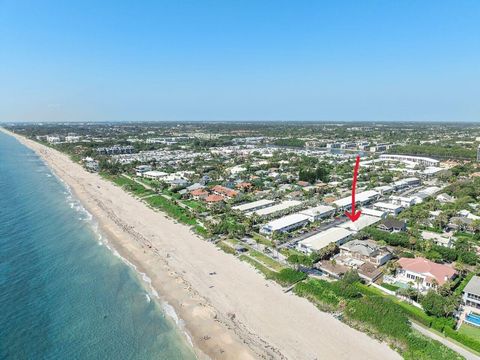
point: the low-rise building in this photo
(373, 212)
(471, 293)
(392, 225)
(224, 191)
(271, 210)
(213, 199)
(284, 224)
(445, 239)
(141, 169)
(416, 159)
(362, 222)
(318, 241)
(155, 175)
(52, 139)
(199, 194)
(254, 205)
(389, 208)
(91, 164)
(366, 250)
(362, 198)
(318, 212)
(423, 274)
(404, 201)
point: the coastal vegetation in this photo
(449, 151)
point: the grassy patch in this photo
(261, 239)
(266, 260)
(269, 274)
(470, 331)
(195, 205)
(172, 209)
(390, 287)
(226, 248)
(129, 185)
(382, 319)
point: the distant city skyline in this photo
(329, 61)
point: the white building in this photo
(385, 189)
(254, 205)
(284, 224)
(284, 205)
(376, 213)
(318, 241)
(155, 175)
(318, 212)
(404, 201)
(388, 207)
(416, 159)
(53, 139)
(362, 222)
(423, 274)
(72, 138)
(141, 169)
(361, 198)
(405, 183)
(445, 239)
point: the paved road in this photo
(445, 341)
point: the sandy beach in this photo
(233, 314)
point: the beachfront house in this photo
(423, 274)
(471, 293)
(471, 302)
(365, 250)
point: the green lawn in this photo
(262, 239)
(171, 209)
(470, 330)
(257, 265)
(129, 185)
(266, 260)
(226, 248)
(196, 205)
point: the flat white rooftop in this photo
(324, 238)
(253, 205)
(385, 205)
(155, 173)
(360, 197)
(286, 221)
(275, 208)
(317, 210)
(372, 212)
(409, 158)
(362, 222)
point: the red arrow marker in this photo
(354, 215)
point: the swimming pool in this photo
(473, 319)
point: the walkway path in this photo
(468, 355)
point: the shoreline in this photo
(222, 314)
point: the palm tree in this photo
(412, 241)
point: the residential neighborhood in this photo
(283, 208)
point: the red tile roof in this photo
(303, 183)
(441, 273)
(244, 185)
(224, 191)
(198, 192)
(214, 198)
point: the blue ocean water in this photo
(63, 293)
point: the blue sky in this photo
(240, 60)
